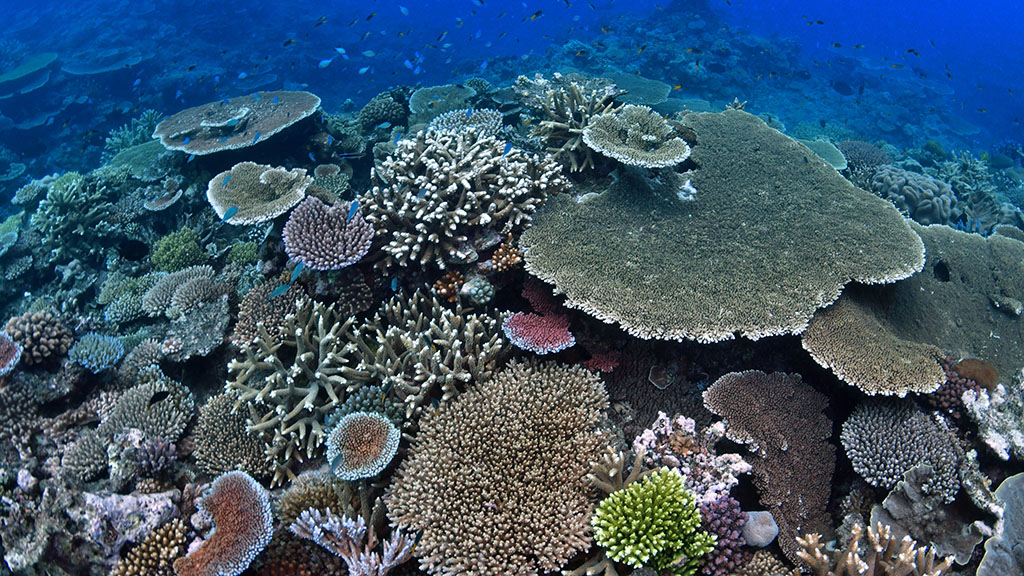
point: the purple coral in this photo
(349, 539)
(724, 519)
(10, 353)
(327, 237)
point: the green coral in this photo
(653, 523)
(177, 251)
(138, 131)
(244, 253)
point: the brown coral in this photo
(155, 555)
(884, 555)
(497, 478)
(223, 443)
(447, 286)
(42, 336)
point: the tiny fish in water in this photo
(858, 46)
(321, 21)
(806, 161)
(397, 138)
(324, 63)
(469, 112)
(837, 45)
(288, 42)
(190, 68)
(508, 146)
(370, 17)
(394, 284)
(226, 180)
(229, 213)
(256, 137)
(191, 157)
(312, 158)
(914, 52)
(352, 208)
(365, 69)
(330, 139)
(187, 139)
(297, 271)
(403, 10)
(279, 291)
(369, 53)
(534, 16)
(256, 96)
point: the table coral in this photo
(256, 193)
(637, 136)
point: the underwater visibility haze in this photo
(481, 287)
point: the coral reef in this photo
(883, 440)
(569, 109)
(783, 419)
(999, 415)
(439, 191)
(10, 353)
(539, 334)
(636, 136)
(664, 268)
(326, 237)
(256, 193)
(481, 506)
(925, 199)
(240, 509)
(654, 523)
(1002, 551)
(351, 540)
(155, 555)
(361, 445)
(178, 250)
(96, 352)
(884, 555)
(850, 341)
(724, 520)
(485, 121)
(223, 442)
(234, 123)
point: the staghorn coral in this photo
(70, 215)
(178, 250)
(884, 555)
(783, 419)
(350, 539)
(361, 445)
(921, 197)
(484, 507)
(636, 136)
(85, 458)
(234, 123)
(569, 109)
(885, 439)
(326, 237)
(414, 347)
(653, 523)
(485, 121)
(752, 254)
(42, 336)
(438, 191)
(854, 344)
(240, 509)
(285, 386)
(255, 192)
(96, 352)
(223, 443)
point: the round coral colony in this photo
(361, 445)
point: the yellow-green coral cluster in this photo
(178, 250)
(653, 523)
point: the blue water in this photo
(960, 84)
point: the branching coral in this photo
(655, 523)
(637, 136)
(326, 237)
(415, 347)
(222, 442)
(569, 110)
(486, 121)
(496, 479)
(440, 191)
(287, 385)
(884, 555)
(350, 539)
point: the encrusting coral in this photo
(636, 136)
(483, 505)
(753, 252)
(439, 192)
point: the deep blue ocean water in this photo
(903, 73)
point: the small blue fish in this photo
(330, 140)
(256, 137)
(177, 95)
(274, 101)
(191, 157)
(297, 271)
(436, 404)
(483, 65)
(311, 157)
(232, 122)
(223, 139)
(469, 112)
(324, 63)
(384, 125)
(365, 69)
(397, 138)
(256, 96)
(226, 180)
(352, 210)
(403, 10)
(508, 146)
(229, 213)
(242, 75)
(394, 284)
(223, 102)
(279, 291)
(187, 139)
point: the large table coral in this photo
(770, 236)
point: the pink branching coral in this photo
(724, 519)
(677, 444)
(349, 539)
(240, 508)
(327, 237)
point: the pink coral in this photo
(539, 334)
(10, 353)
(240, 508)
(327, 237)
